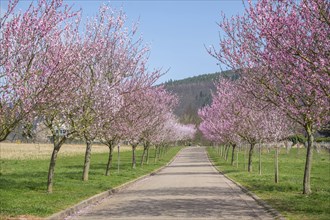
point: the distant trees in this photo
(281, 51)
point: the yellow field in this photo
(43, 151)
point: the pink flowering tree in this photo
(235, 116)
(281, 51)
(221, 120)
(31, 53)
(112, 58)
(276, 127)
(109, 134)
(173, 131)
(184, 132)
(37, 69)
(158, 104)
(216, 129)
(57, 116)
(134, 116)
(164, 134)
(152, 103)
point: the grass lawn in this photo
(285, 196)
(23, 182)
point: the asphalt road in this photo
(189, 188)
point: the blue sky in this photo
(177, 31)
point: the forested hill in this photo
(194, 93)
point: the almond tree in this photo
(171, 132)
(281, 50)
(114, 124)
(235, 116)
(110, 56)
(219, 125)
(38, 68)
(110, 135)
(30, 59)
(277, 126)
(135, 116)
(58, 118)
(158, 103)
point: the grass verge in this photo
(23, 182)
(285, 196)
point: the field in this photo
(285, 196)
(23, 181)
(43, 151)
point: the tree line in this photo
(280, 50)
(87, 78)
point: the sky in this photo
(178, 32)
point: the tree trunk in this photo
(227, 152)
(237, 157)
(260, 159)
(107, 171)
(143, 155)
(133, 156)
(250, 157)
(233, 155)
(87, 160)
(160, 150)
(309, 157)
(51, 169)
(156, 150)
(244, 159)
(276, 165)
(118, 158)
(147, 157)
(145, 149)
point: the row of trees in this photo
(280, 49)
(234, 118)
(90, 79)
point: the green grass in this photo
(285, 196)
(23, 182)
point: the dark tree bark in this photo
(276, 165)
(260, 159)
(145, 149)
(133, 155)
(308, 163)
(250, 157)
(147, 157)
(156, 152)
(111, 146)
(233, 154)
(51, 170)
(87, 161)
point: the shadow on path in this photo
(189, 188)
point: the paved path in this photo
(189, 188)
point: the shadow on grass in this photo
(16, 181)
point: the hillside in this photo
(194, 93)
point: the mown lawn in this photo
(285, 196)
(23, 182)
